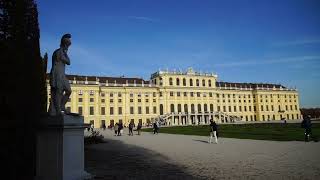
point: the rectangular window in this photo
(254, 108)
(80, 99)
(103, 110)
(154, 94)
(147, 110)
(131, 100)
(119, 94)
(111, 111)
(198, 94)
(234, 108)
(267, 107)
(111, 100)
(261, 107)
(218, 108)
(131, 94)
(80, 92)
(119, 100)
(171, 93)
(160, 94)
(245, 108)
(111, 94)
(210, 94)
(131, 110)
(249, 108)
(139, 100)
(185, 94)
(91, 110)
(147, 100)
(272, 109)
(240, 108)
(154, 110)
(154, 100)
(178, 94)
(91, 99)
(191, 94)
(229, 108)
(102, 100)
(80, 110)
(224, 109)
(119, 110)
(91, 92)
(69, 109)
(139, 110)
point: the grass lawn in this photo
(271, 131)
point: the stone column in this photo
(189, 119)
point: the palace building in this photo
(178, 98)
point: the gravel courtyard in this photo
(166, 156)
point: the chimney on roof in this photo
(127, 83)
(106, 82)
(134, 83)
(115, 82)
(74, 80)
(86, 82)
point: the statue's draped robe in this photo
(58, 79)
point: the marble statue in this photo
(60, 87)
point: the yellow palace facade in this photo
(178, 98)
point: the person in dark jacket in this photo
(131, 125)
(306, 124)
(155, 128)
(213, 131)
(120, 129)
(139, 127)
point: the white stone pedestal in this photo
(60, 148)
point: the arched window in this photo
(184, 82)
(191, 82)
(178, 82)
(172, 108)
(192, 108)
(199, 107)
(211, 107)
(209, 83)
(170, 82)
(205, 108)
(197, 82)
(185, 108)
(161, 109)
(203, 83)
(179, 107)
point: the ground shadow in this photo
(116, 160)
(200, 141)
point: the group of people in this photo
(118, 128)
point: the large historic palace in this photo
(178, 98)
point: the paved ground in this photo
(166, 156)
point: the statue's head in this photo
(66, 40)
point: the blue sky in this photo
(273, 41)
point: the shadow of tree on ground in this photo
(116, 160)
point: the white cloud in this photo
(270, 61)
(142, 18)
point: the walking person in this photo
(306, 124)
(213, 131)
(131, 128)
(120, 129)
(155, 128)
(139, 128)
(116, 127)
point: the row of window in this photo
(120, 112)
(230, 109)
(210, 94)
(184, 82)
